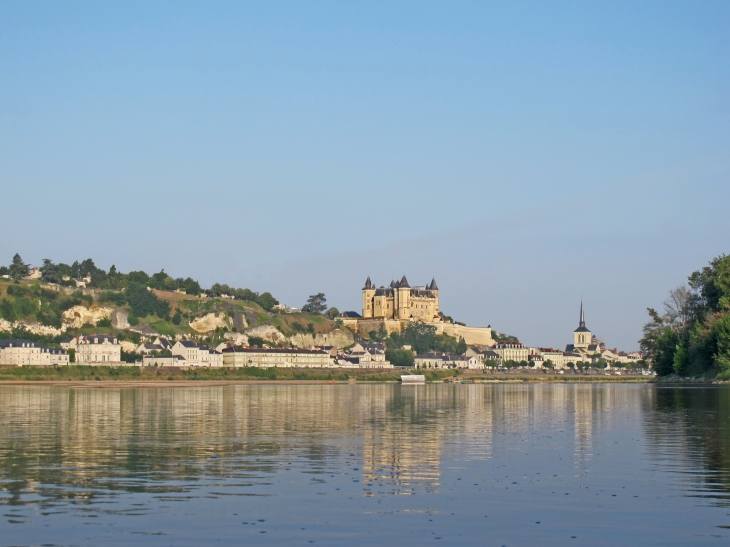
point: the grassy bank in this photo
(152, 374)
(166, 374)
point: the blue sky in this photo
(524, 154)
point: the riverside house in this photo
(237, 356)
(20, 352)
(97, 349)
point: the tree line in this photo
(692, 335)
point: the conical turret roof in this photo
(368, 284)
(404, 283)
(433, 285)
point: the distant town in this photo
(57, 315)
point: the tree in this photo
(317, 303)
(548, 364)
(332, 313)
(177, 318)
(400, 357)
(144, 302)
(190, 286)
(420, 336)
(49, 271)
(138, 277)
(170, 283)
(660, 343)
(267, 301)
(18, 268)
(680, 309)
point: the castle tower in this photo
(404, 299)
(581, 336)
(368, 294)
(435, 291)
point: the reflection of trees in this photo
(690, 427)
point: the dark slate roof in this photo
(188, 344)
(368, 284)
(240, 349)
(144, 329)
(404, 283)
(353, 314)
(100, 338)
(433, 285)
(18, 342)
(581, 329)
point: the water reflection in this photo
(688, 433)
(104, 454)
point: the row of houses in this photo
(94, 349)
(21, 352)
(479, 357)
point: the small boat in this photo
(411, 379)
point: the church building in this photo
(401, 301)
(583, 339)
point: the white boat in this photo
(413, 379)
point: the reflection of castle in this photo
(401, 449)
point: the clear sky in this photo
(524, 154)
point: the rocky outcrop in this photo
(239, 320)
(267, 332)
(79, 316)
(338, 338)
(210, 322)
(237, 338)
(33, 328)
(119, 320)
(127, 346)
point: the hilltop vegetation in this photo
(692, 336)
(165, 304)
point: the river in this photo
(502, 464)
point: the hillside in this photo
(49, 312)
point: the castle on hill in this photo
(401, 301)
(393, 307)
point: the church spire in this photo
(582, 315)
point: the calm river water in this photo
(365, 464)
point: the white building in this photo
(370, 355)
(238, 356)
(97, 349)
(197, 356)
(438, 360)
(163, 361)
(22, 352)
(512, 351)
